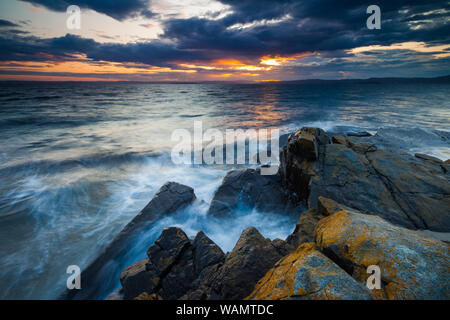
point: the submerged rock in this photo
(307, 274)
(412, 265)
(394, 185)
(248, 188)
(170, 197)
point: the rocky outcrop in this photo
(249, 189)
(249, 260)
(306, 274)
(394, 185)
(178, 268)
(175, 265)
(412, 265)
(170, 198)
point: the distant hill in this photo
(374, 80)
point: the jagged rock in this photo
(304, 229)
(167, 249)
(307, 141)
(394, 185)
(206, 252)
(327, 207)
(170, 198)
(175, 265)
(306, 224)
(247, 187)
(250, 259)
(283, 247)
(135, 279)
(307, 274)
(412, 266)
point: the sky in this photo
(222, 40)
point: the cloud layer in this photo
(313, 38)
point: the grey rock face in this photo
(400, 188)
(247, 187)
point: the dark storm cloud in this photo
(156, 53)
(312, 25)
(254, 28)
(7, 24)
(118, 9)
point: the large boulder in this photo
(399, 187)
(252, 256)
(297, 161)
(247, 188)
(307, 274)
(175, 265)
(412, 265)
(96, 278)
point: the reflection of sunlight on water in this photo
(263, 116)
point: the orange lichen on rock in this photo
(412, 266)
(307, 274)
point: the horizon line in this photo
(228, 81)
